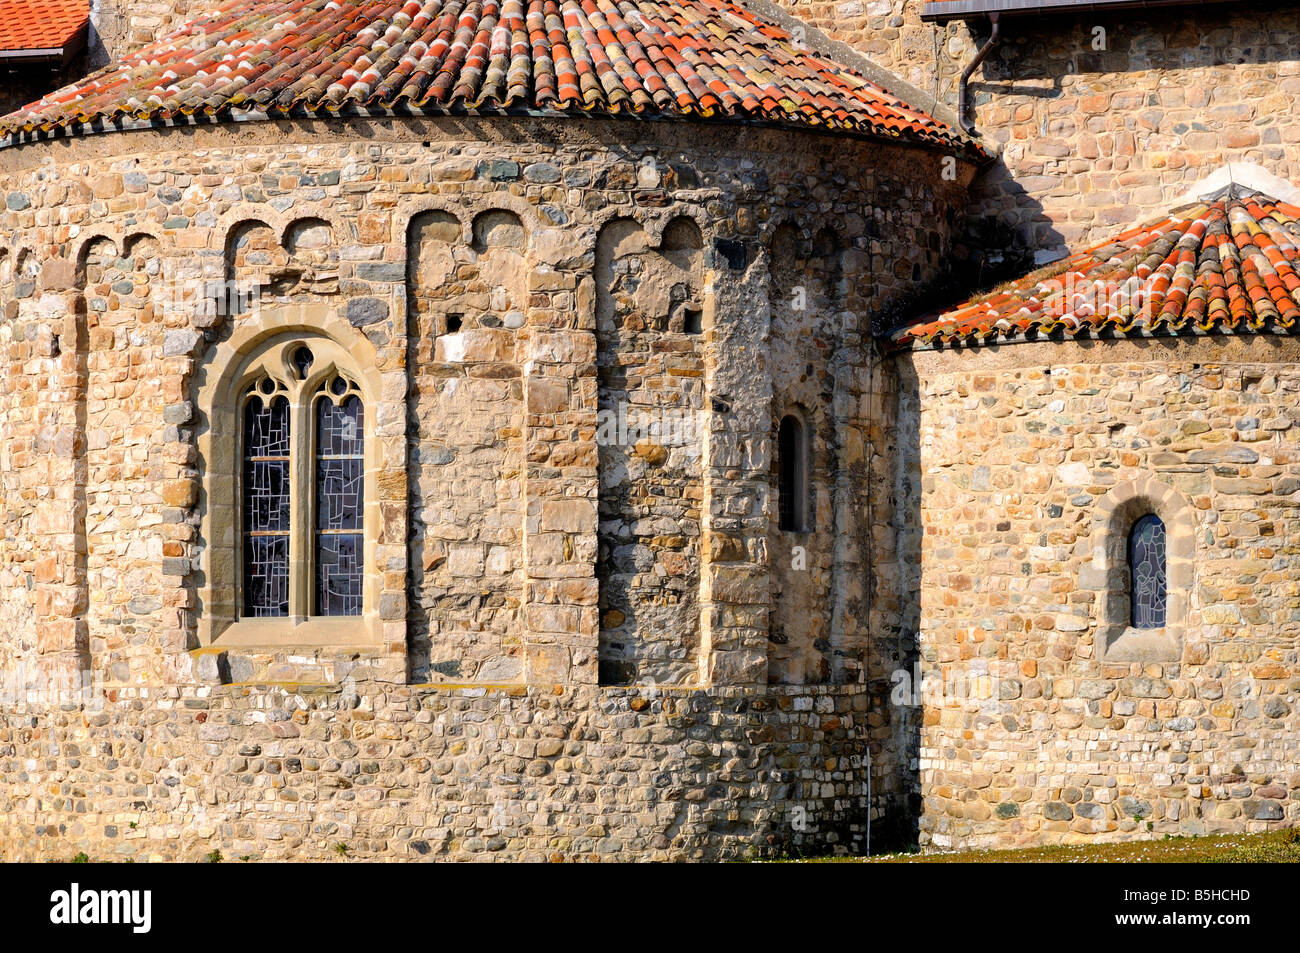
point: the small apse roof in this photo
(1228, 263)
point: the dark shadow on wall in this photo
(984, 252)
(895, 666)
(988, 251)
(894, 583)
(1002, 246)
(1051, 56)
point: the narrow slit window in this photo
(1148, 586)
(792, 485)
(266, 504)
(340, 475)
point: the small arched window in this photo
(792, 469)
(1148, 586)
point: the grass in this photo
(1273, 847)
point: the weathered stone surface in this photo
(1014, 580)
(363, 312)
(493, 308)
(1115, 140)
(506, 306)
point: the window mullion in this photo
(300, 510)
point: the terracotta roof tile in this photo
(41, 24)
(652, 58)
(1228, 265)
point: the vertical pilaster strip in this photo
(184, 311)
(560, 487)
(391, 549)
(61, 599)
(734, 582)
(857, 412)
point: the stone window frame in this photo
(1113, 519)
(264, 343)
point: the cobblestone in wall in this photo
(485, 432)
(428, 773)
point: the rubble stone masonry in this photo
(492, 285)
(1092, 140)
(1040, 723)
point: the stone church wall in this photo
(484, 275)
(1039, 724)
(650, 361)
(120, 27)
(1091, 141)
(406, 772)
(466, 437)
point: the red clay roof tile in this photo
(1227, 265)
(41, 24)
(653, 58)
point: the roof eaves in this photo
(972, 152)
(978, 342)
(1227, 262)
(811, 90)
(71, 42)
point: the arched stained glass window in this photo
(302, 493)
(1148, 586)
(267, 490)
(340, 474)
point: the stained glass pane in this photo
(340, 473)
(339, 565)
(339, 494)
(266, 428)
(1148, 587)
(338, 431)
(266, 576)
(266, 507)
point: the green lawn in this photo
(1274, 847)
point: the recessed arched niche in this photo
(466, 303)
(650, 325)
(805, 301)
